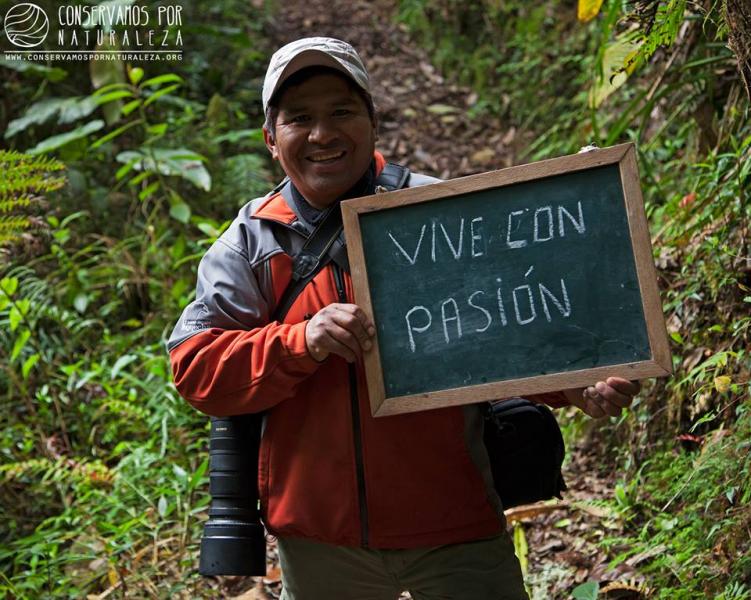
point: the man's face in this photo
(324, 138)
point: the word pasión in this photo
(523, 305)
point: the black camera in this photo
(234, 540)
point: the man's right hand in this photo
(342, 329)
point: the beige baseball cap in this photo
(312, 52)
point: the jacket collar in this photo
(280, 206)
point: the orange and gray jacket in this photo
(328, 470)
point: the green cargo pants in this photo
(480, 570)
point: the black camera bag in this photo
(526, 450)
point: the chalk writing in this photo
(411, 259)
(517, 231)
(473, 312)
(527, 302)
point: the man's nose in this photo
(322, 132)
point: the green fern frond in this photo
(26, 469)
(43, 301)
(7, 156)
(660, 21)
(19, 181)
(123, 408)
(7, 205)
(24, 179)
(14, 223)
(13, 158)
(62, 470)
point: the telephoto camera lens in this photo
(234, 541)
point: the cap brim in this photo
(309, 58)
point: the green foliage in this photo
(689, 514)
(586, 591)
(660, 22)
(23, 182)
(66, 110)
(103, 468)
(49, 73)
(62, 139)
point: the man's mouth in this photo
(326, 156)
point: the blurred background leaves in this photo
(120, 175)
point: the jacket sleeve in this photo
(227, 356)
(552, 399)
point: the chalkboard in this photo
(520, 281)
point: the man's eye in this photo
(299, 119)
(340, 112)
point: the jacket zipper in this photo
(362, 501)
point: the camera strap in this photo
(316, 251)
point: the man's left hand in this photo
(606, 398)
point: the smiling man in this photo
(362, 508)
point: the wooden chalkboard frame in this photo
(660, 362)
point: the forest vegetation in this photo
(116, 176)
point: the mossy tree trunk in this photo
(738, 16)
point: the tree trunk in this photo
(738, 17)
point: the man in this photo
(362, 508)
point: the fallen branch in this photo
(527, 511)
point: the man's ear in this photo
(270, 143)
